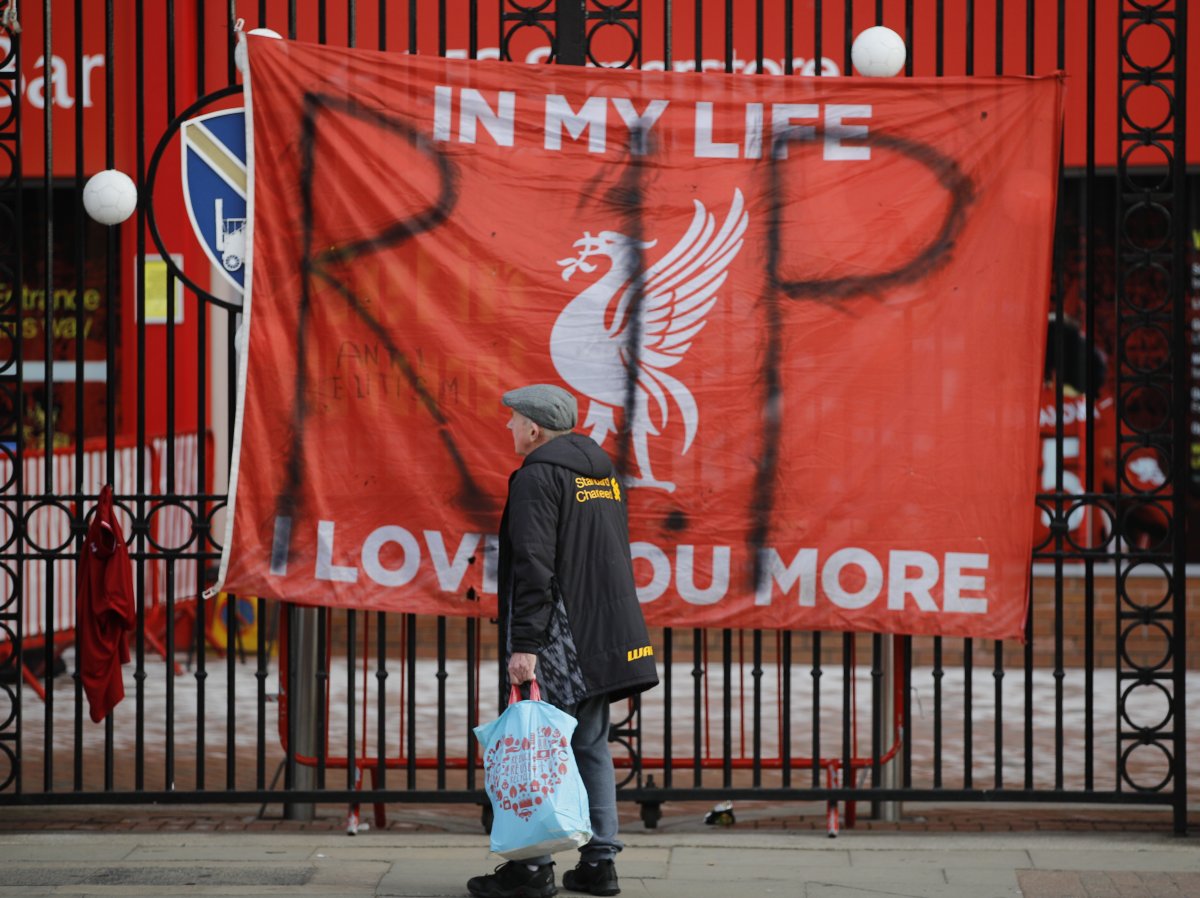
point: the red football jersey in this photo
(105, 610)
(1090, 524)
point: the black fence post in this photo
(11, 254)
(570, 23)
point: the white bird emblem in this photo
(590, 341)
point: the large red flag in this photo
(805, 315)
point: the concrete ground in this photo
(423, 852)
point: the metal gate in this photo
(1091, 709)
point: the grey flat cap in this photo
(545, 404)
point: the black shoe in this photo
(598, 880)
(516, 880)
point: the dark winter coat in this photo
(567, 592)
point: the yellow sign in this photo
(157, 281)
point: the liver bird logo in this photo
(590, 341)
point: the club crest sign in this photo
(214, 188)
(590, 342)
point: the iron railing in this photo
(785, 707)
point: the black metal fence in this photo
(229, 696)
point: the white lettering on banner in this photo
(831, 578)
(783, 129)
(685, 581)
(450, 574)
(591, 118)
(374, 567)
(474, 108)
(443, 97)
(783, 116)
(659, 563)
(836, 132)
(851, 578)
(639, 124)
(705, 147)
(802, 571)
(803, 568)
(919, 587)
(957, 581)
(754, 129)
(496, 113)
(326, 569)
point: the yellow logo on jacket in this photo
(588, 488)
(644, 652)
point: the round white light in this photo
(110, 197)
(878, 52)
(239, 52)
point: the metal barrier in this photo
(313, 728)
(48, 594)
(1104, 677)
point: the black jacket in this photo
(567, 592)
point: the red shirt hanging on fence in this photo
(105, 610)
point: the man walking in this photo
(570, 615)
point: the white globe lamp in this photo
(110, 197)
(239, 52)
(878, 52)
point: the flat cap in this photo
(545, 404)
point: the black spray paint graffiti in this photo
(322, 265)
(936, 253)
(628, 197)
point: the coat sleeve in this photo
(533, 529)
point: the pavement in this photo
(1031, 852)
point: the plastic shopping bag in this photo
(539, 804)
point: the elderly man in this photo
(569, 609)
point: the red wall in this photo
(71, 106)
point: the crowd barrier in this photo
(375, 729)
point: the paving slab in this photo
(877, 877)
(903, 890)
(166, 876)
(397, 851)
(1107, 884)
(751, 861)
(72, 847)
(424, 880)
(980, 857)
(1183, 858)
(204, 850)
(728, 864)
(968, 877)
(707, 888)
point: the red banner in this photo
(806, 317)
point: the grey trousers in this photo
(590, 745)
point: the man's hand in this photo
(520, 667)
